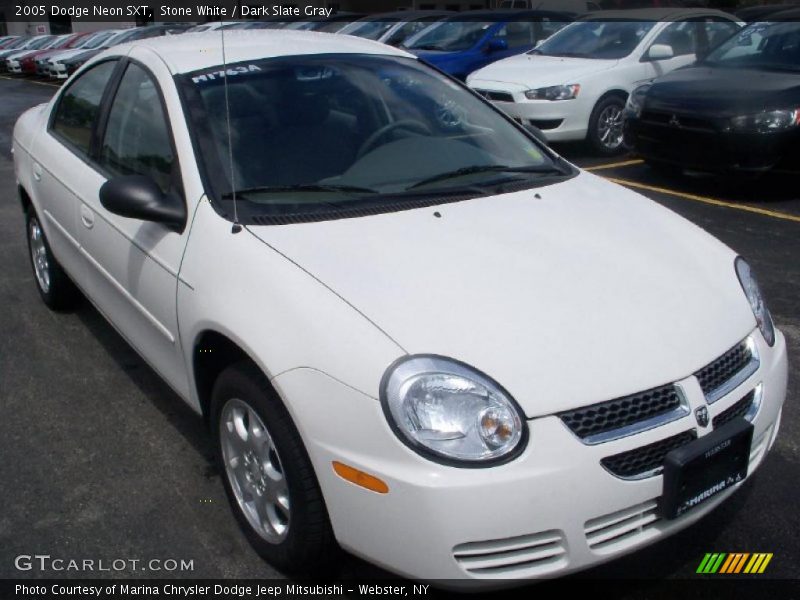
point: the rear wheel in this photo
(268, 476)
(54, 285)
(606, 126)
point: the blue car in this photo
(467, 42)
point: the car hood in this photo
(530, 70)
(719, 91)
(567, 295)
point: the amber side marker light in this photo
(360, 478)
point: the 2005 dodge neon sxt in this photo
(415, 331)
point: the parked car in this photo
(574, 85)
(16, 45)
(384, 288)
(27, 63)
(6, 41)
(763, 12)
(465, 42)
(736, 111)
(13, 61)
(73, 63)
(54, 66)
(394, 28)
(36, 43)
(331, 24)
(574, 6)
(37, 64)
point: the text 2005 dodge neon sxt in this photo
(414, 331)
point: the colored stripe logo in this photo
(734, 563)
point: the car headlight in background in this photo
(753, 293)
(635, 101)
(444, 408)
(767, 121)
(554, 92)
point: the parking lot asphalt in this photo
(100, 460)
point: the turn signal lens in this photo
(360, 478)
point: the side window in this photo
(137, 138)
(681, 36)
(79, 107)
(717, 31)
(518, 33)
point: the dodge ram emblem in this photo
(701, 414)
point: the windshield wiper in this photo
(303, 187)
(427, 47)
(544, 170)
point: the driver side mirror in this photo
(139, 197)
(497, 45)
(660, 52)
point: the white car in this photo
(575, 84)
(414, 331)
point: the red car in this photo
(27, 63)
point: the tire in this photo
(607, 116)
(268, 476)
(54, 285)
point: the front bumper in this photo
(552, 511)
(701, 147)
(560, 121)
(13, 66)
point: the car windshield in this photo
(40, 43)
(450, 36)
(596, 39)
(762, 46)
(308, 134)
(97, 41)
(372, 30)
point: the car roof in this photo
(653, 14)
(191, 52)
(792, 14)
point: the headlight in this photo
(767, 121)
(635, 101)
(753, 293)
(441, 407)
(555, 92)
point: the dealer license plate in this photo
(696, 472)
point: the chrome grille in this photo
(599, 422)
(728, 371)
(646, 461)
(740, 409)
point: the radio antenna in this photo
(237, 227)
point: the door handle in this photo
(37, 171)
(87, 217)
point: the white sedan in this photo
(415, 332)
(575, 84)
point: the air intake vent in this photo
(525, 555)
(616, 530)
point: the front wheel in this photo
(606, 126)
(54, 285)
(268, 476)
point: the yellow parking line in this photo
(706, 200)
(31, 81)
(616, 165)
